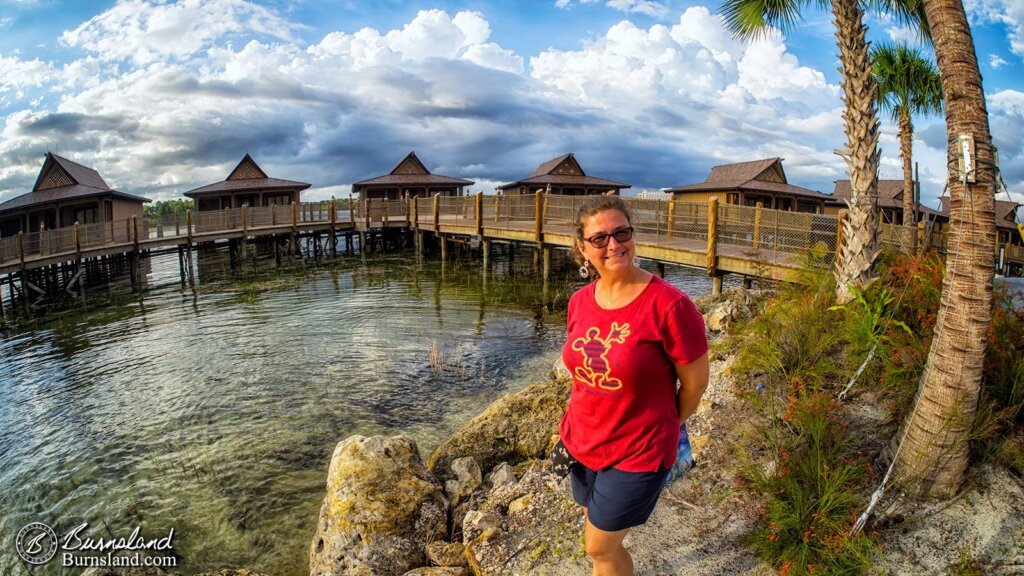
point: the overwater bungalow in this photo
(747, 183)
(411, 178)
(890, 203)
(247, 184)
(66, 192)
(562, 175)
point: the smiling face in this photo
(615, 259)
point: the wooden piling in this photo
(334, 226)
(78, 262)
(485, 248)
(716, 284)
(712, 237)
(188, 246)
(538, 216)
(546, 259)
(660, 267)
(437, 212)
(670, 224)
(444, 247)
(293, 244)
(839, 232)
(478, 207)
(415, 213)
(758, 213)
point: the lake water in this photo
(214, 411)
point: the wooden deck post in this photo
(188, 246)
(366, 211)
(478, 207)
(77, 234)
(437, 213)
(351, 210)
(134, 271)
(839, 232)
(712, 235)
(273, 214)
(415, 213)
(23, 270)
(758, 214)
(177, 223)
(670, 225)
(538, 216)
(497, 208)
(334, 226)
(295, 231)
(245, 220)
(385, 219)
(42, 243)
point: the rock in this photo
(719, 318)
(480, 525)
(436, 571)
(446, 553)
(559, 371)
(520, 504)
(540, 528)
(233, 572)
(514, 428)
(382, 505)
(467, 478)
(501, 475)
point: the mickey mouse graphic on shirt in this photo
(595, 371)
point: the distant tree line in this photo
(162, 207)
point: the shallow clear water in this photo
(214, 411)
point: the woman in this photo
(630, 336)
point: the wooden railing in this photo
(657, 222)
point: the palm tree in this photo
(751, 19)
(908, 85)
(932, 456)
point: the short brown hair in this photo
(592, 206)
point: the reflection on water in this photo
(215, 411)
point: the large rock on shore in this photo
(514, 428)
(382, 506)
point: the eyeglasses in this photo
(621, 236)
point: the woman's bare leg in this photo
(606, 550)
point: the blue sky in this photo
(165, 96)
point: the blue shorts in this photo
(616, 500)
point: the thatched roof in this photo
(247, 175)
(563, 171)
(410, 171)
(765, 176)
(61, 179)
(890, 195)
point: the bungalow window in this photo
(86, 215)
(278, 199)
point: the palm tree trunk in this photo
(934, 453)
(906, 150)
(860, 122)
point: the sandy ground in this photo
(697, 526)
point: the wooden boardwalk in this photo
(719, 238)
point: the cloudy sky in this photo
(165, 96)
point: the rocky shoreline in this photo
(485, 502)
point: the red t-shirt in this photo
(623, 410)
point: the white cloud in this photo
(681, 97)
(650, 8)
(6, 21)
(144, 31)
(18, 74)
(906, 34)
(996, 62)
(1009, 13)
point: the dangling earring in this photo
(584, 271)
(636, 262)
